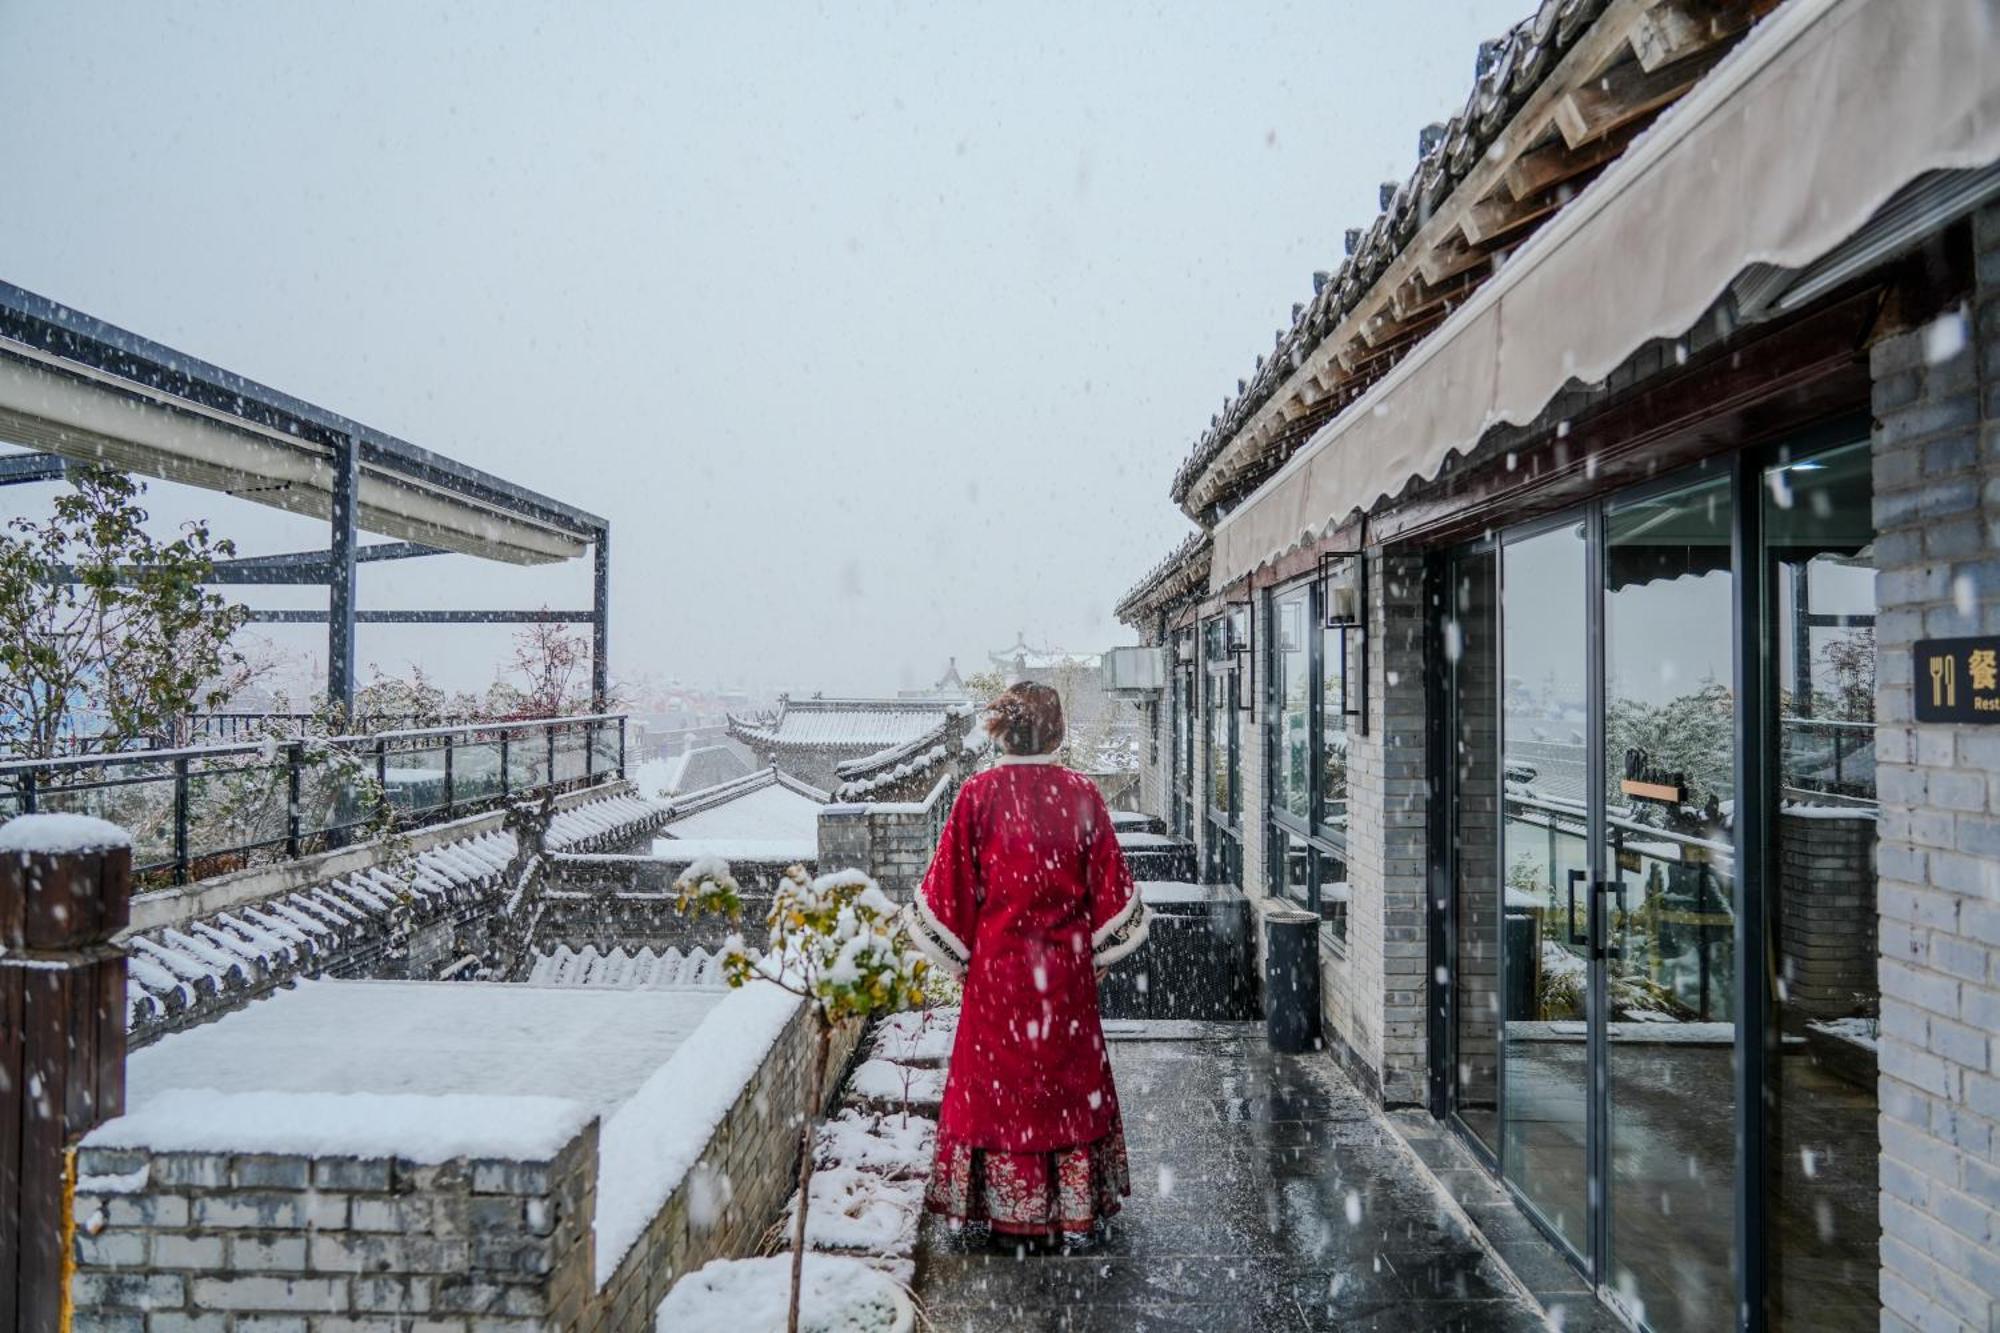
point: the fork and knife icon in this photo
(1944, 681)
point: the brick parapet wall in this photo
(735, 1189)
(892, 842)
(231, 1243)
(1937, 514)
(258, 1243)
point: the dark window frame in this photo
(1318, 837)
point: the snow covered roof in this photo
(768, 816)
(235, 953)
(1181, 575)
(696, 768)
(91, 391)
(860, 725)
(1023, 657)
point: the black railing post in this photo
(549, 777)
(505, 775)
(590, 734)
(294, 795)
(181, 820)
(28, 791)
(621, 748)
(381, 776)
(449, 801)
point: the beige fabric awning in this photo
(1788, 146)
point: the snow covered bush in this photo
(837, 942)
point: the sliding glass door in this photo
(1544, 730)
(1666, 901)
(1667, 696)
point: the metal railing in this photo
(211, 809)
(1830, 757)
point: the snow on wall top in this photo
(53, 835)
(426, 1129)
(591, 1046)
(645, 1149)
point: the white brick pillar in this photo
(1937, 515)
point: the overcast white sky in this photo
(876, 330)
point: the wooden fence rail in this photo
(62, 1048)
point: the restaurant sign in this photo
(1958, 680)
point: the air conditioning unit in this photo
(1135, 673)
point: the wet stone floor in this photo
(1267, 1194)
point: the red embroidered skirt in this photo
(1030, 1193)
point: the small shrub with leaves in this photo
(837, 942)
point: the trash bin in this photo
(1291, 979)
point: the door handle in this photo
(1569, 921)
(1617, 887)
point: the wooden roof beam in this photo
(1626, 93)
(1677, 30)
(1556, 163)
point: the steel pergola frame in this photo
(82, 390)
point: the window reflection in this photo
(1819, 534)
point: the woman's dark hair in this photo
(1026, 719)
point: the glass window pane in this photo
(1291, 789)
(1819, 534)
(1544, 734)
(1333, 732)
(1294, 868)
(1670, 904)
(1330, 881)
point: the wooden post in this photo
(62, 1051)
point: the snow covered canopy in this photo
(1805, 127)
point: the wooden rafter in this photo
(1626, 94)
(1673, 32)
(1556, 163)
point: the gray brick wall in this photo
(228, 1242)
(1373, 986)
(891, 841)
(231, 1243)
(1937, 511)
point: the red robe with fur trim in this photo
(1027, 896)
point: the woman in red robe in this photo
(1029, 900)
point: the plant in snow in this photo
(837, 942)
(106, 633)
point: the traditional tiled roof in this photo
(219, 960)
(767, 804)
(1553, 102)
(860, 725)
(1039, 659)
(624, 970)
(1182, 572)
(709, 765)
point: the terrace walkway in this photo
(1267, 1194)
